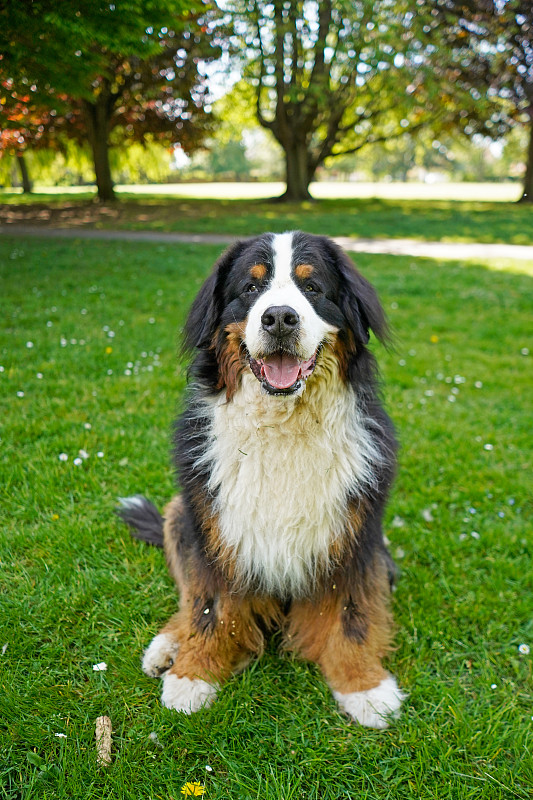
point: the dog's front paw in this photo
(184, 694)
(159, 655)
(374, 707)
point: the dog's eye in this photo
(252, 287)
(310, 288)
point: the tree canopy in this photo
(490, 56)
(94, 68)
(331, 77)
(324, 78)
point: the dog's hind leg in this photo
(347, 634)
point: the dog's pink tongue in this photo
(281, 370)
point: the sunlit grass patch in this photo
(445, 219)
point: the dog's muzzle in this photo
(280, 321)
(282, 369)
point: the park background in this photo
(136, 138)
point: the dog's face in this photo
(273, 302)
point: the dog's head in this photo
(273, 302)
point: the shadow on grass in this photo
(434, 220)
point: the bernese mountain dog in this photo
(285, 457)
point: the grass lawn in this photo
(373, 217)
(88, 339)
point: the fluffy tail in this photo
(144, 519)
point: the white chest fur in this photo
(281, 470)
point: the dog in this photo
(285, 457)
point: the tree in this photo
(109, 73)
(18, 126)
(333, 76)
(491, 56)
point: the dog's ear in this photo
(358, 299)
(204, 316)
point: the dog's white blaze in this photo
(373, 707)
(281, 470)
(282, 247)
(284, 292)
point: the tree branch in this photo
(281, 108)
(383, 138)
(263, 121)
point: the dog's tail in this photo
(145, 521)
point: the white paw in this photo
(183, 694)
(373, 707)
(159, 655)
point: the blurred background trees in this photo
(290, 89)
(489, 47)
(104, 74)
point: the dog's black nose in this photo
(280, 320)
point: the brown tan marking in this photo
(172, 514)
(343, 350)
(228, 645)
(331, 366)
(217, 629)
(355, 517)
(303, 271)
(220, 558)
(317, 632)
(230, 358)
(258, 272)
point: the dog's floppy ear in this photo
(358, 299)
(204, 316)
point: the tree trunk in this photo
(298, 175)
(527, 192)
(24, 174)
(98, 115)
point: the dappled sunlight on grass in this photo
(433, 220)
(509, 265)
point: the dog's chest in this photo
(281, 471)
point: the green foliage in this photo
(455, 157)
(76, 590)
(332, 77)
(489, 55)
(235, 113)
(56, 47)
(128, 68)
(72, 165)
(238, 148)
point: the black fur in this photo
(354, 622)
(144, 520)
(348, 301)
(349, 585)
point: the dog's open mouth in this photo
(281, 372)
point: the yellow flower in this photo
(55, 516)
(434, 339)
(109, 350)
(193, 789)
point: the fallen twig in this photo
(103, 741)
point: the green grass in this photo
(76, 590)
(445, 220)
